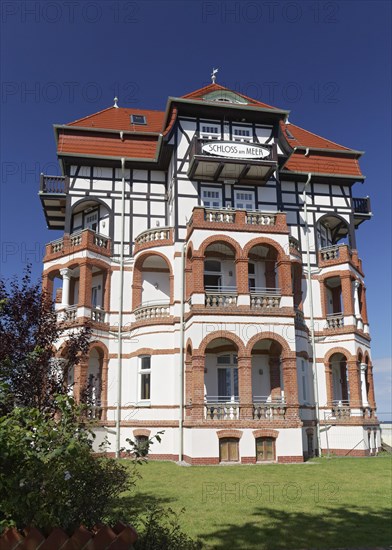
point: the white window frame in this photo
(218, 198)
(251, 202)
(239, 134)
(210, 131)
(141, 372)
(94, 220)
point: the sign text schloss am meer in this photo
(235, 149)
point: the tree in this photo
(29, 332)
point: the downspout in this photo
(313, 342)
(120, 312)
(181, 381)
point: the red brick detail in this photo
(202, 461)
(347, 294)
(265, 433)
(87, 243)
(349, 452)
(139, 247)
(141, 432)
(248, 460)
(138, 277)
(229, 433)
(290, 385)
(346, 255)
(267, 335)
(214, 239)
(290, 459)
(222, 334)
(198, 221)
(354, 380)
(245, 387)
(370, 384)
(241, 265)
(343, 351)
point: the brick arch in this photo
(72, 264)
(100, 202)
(366, 358)
(237, 434)
(343, 351)
(141, 432)
(266, 241)
(188, 346)
(214, 239)
(96, 344)
(221, 334)
(359, 353)
(265, 433)
(137, 276)
(286, 351)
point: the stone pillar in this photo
(198, 365)
(357, 309)
(365, 402)
(284, 270)
(85, 282)
(47, 286)
(355, 384)
(106, 286)
(80, 374)
(66, 275)
(198, 273)
(245, 387)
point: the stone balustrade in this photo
(80, 240)
(219, 215)
(269, 411)
(260, 218)
(220, 299)
(222, 411)
(152, 311)
(265, 298)
(98, 315)
(335, 320)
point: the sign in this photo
(234, 149)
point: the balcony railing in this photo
(333, 252)
(152, 311)
(215, 409)
(268, 410)
(153, 235)
(220, 297)
(85, 238)
(98, 315)
(53, 184)
(362, 205)
(335, 320)
(340, 409)
(225, 215)
(260, 218)
(265, 297)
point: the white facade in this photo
(219, 241)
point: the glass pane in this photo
(235, 376)
(212, 265)
(223, 359)
(259, 449)
(145, 394)
(269, 449)
(146, 362)
(222, 383)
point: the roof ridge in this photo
(216, 87)
(89, 116)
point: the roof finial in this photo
(115, 102)
(213, 77)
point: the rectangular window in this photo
(304, 381)
(91, 221)
(138, 119)
(265, 449)
(242, 134)
(211, 197)
(210, 131)
(145, 378)
(244, 200)
(228, 450)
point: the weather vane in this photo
(213, 77)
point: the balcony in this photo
(230, 219)
(76, 242)
(265, 298)
(216, 409)
(147, 312)
(159, 236)
(213, 160)
(334, 321)
(339, 254)
(220, 297)
(70, 314)
(362, 210)
(274, 409)
(53, 192)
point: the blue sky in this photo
(328, 62)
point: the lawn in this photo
(324, 503)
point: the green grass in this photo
(324, 503)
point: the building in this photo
(187, 239)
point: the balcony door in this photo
(227, 378)
(211, 197)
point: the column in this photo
(364, 311)
(347, 293)
(363, 385)
(104, 388)
(284, 269)
(290, 386)
(198, 363)
(85, 282)
(354, 384)
(329, 383)
(245, 387)
(371, 398)
(198, 273)
(66, 275)
(242, 279)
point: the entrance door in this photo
(228, 449)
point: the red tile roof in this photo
(308, 139)
(107, 145)
(322, 164)
(119, 118)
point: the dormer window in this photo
(242, 134)
(210, 131)
(138, 119)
